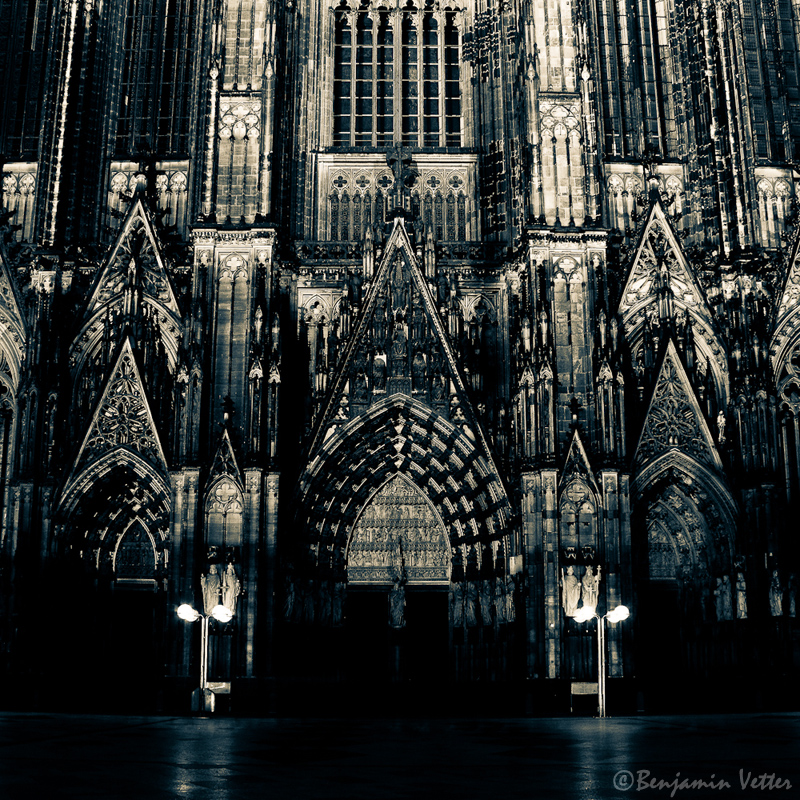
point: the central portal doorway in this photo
(409, 665)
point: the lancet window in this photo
(396, 77)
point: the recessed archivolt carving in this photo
(428, 451)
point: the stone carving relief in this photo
(135, 556)
(673, 420)
(398, 534)
(123, 417)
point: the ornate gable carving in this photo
(790, 296)
(659, 256)
(122, 418)
(674, 419)
(399, 347)
(577, 463)
(135, 259)
(225, 463)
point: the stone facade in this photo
(436, 321)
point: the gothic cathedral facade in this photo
(405, 329)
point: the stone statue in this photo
(397, 605)
(288, 599)
(775, 595)
(591, 585)
(418, 371)
(457, 603)
(211, 584)
(741, 596)
(571, 592)
(337, 606)
(379, 374)
(719, 601)
(726, 601)
(510, 612)
(721, 427)
(470, 603)
(308, 602)
(791, 595)
(487, 599)
(324, 603)
(231, 589)
(499, 601)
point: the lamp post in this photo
(584, 614)
(189, 614)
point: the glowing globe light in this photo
(584, 614)
(187, 613)
(618, 614)
(222, 614)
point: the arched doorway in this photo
(684, 530)
(398, 564)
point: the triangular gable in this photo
(10, 304)
(577, 462)
(380, 343)
(122, 418)
(674, 419)
(790, 296)
(136, 240)
(659, 245)
(224, 461)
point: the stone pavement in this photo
(227, 758)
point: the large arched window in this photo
(396, 77)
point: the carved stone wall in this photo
(398, 534)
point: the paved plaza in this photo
(154, 758)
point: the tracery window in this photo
(396, 77)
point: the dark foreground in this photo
(55, 756)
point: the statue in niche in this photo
(791, 595)
(499, 601)
(379, 373)
(399, 284)
(324, 602)
(442, 289)
(571, 591)
(337, 605)
(379, 322)
(418, 371)
(211, 585)
(288, 598)
(438, 388)
(775, 595)
(457, 604)
(360, 388)
(721, 428)
(470, 604)
(719, 603)
(354, 288)
(590, 586)
(487, 600)
(397, 605)
(726, 598)
(510, 612)
(399, 351)
(741, 596)
(418, 323)
(231, 589)
(308, 602)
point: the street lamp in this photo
(584, 614)
(189, 614)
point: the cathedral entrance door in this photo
(426, 648)
(131, 677)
